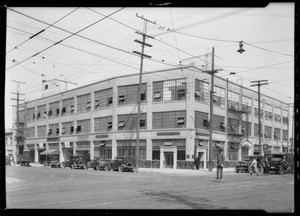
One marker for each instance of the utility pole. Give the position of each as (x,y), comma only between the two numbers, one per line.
(140,83)
(18,105)
(212,73)
(259,83)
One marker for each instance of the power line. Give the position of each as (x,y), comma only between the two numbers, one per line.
(64,38)
(268,50)
(42,30)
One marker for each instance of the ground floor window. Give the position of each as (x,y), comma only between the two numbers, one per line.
(232,154)
(130,151)
(156,154)
(180,154)
(105,153)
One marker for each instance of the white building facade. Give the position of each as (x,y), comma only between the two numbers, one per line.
(99,120)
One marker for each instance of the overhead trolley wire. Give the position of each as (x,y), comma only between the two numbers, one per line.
(42,30)
(72,34)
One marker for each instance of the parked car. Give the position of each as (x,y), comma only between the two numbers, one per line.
(77,162)
(123,163)
(52,161)
(275,161)
(9,160)
(243,166)
(100,164)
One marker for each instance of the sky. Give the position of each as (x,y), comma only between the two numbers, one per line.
(84,45)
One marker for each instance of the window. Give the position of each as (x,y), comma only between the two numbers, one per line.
(83,103)
(78,129)
(180,154)
(121,124)
(68,106)
(128,94)
(233,100)
(170,90)
(157,95)
(121,99)
(57,130)
(72,129)
(142,123)
(201,91)
(103,124)
(103,98)
(63,130)
(46,86)
(155,154)
(50,132)
(173,119)
(219,97)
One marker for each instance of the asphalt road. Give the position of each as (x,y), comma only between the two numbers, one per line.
(55,188)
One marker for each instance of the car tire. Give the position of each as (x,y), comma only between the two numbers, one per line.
(106,168)
(98,167)
(120,168)
(281,171)
(236,170)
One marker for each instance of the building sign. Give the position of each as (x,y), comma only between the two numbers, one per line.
(167,133)
(53,139)
(101,136)
(82,138)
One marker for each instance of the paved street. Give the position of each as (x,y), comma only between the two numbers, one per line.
(51,188)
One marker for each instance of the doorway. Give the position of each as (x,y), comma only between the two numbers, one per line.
(169,157)
(245,151)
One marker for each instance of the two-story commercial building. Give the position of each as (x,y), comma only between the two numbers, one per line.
(99,120)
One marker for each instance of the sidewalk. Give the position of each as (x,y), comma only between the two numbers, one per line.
(171,171)
(186,171)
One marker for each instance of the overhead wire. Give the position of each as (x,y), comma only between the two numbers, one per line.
(65,38)
(43,30)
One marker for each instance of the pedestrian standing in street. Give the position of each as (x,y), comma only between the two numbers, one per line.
(254,166)
(197,161)
(220,165)
(266,165)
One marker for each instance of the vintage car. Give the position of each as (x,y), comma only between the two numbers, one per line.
(23,159)
(100,164)
(9,160)
(123,163)
(52,161)
(76,162)
(243,166)
(275,161)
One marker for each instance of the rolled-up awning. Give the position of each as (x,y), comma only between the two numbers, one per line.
(50,152)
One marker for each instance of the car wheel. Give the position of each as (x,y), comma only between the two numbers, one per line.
(236,170)
(106,168)
(281,171)
(98,167)
(120,168)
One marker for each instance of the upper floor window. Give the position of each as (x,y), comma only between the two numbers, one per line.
(104,98)
(219,96)
(246,104)
(172,119)
(268,112)
(169,90)
(53,109)
(256,108)
(233,100)
(201,91)
(277,114)
(83,126)
(84,103)
(285,117)
(67,106)
(128,94)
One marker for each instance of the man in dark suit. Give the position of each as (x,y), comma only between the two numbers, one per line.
(220,165)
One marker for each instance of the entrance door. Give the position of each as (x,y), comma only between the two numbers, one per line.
(244,151)
(168,159)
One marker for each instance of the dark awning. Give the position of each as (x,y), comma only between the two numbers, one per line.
(50,152)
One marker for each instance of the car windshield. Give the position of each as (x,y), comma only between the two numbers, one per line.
(247,159)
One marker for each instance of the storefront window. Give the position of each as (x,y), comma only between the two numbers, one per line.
(180,154)
(156,155)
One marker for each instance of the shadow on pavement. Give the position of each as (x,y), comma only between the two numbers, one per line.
(169,198)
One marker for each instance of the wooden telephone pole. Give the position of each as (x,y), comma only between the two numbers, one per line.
(140,82)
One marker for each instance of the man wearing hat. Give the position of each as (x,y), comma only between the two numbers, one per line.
(220,164)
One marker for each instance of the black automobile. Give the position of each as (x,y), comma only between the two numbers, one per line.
(100,164)
(77,162)
(243,166)
(275,161)
(123,163)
